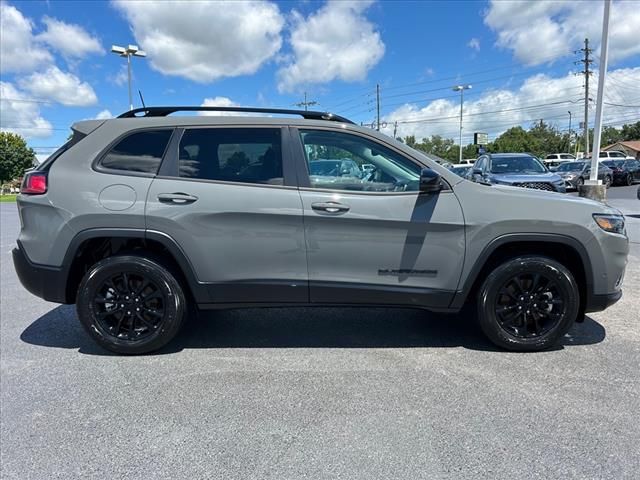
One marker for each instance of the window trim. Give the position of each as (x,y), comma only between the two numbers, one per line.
(302,169)
(97,166)
(170,171)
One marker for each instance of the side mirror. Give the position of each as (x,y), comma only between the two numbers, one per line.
(477,171)
(430,181)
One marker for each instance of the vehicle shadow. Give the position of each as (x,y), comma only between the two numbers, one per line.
(315,327)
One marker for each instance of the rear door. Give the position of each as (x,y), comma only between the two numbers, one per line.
(227,196)
(371,238)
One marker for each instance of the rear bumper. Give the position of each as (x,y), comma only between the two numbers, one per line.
(42,281)
(598,303)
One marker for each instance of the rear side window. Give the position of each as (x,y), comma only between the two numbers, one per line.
(139,152)
(244,155)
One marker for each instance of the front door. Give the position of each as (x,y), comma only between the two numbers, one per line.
(225,196)
(371,237)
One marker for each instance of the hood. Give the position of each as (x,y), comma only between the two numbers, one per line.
(509,178)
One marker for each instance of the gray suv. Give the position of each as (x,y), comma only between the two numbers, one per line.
(140,217)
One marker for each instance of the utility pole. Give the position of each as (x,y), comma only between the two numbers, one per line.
(306,104)
(378,105)
(569,147)
(587,73)
(395,129)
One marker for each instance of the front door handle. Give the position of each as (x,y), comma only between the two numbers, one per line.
(178,198)
(330,207)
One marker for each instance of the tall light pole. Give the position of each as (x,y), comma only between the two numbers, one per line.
(569,148)
(129,51)
(461,89)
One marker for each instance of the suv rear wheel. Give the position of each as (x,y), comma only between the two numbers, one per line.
(528,303)
(130,304)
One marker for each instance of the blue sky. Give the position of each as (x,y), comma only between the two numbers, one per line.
(517,55)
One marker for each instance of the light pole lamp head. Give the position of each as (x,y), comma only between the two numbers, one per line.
(140,53)
(118,50)
(459,88)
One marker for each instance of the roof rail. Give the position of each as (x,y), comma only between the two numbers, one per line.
(164,111)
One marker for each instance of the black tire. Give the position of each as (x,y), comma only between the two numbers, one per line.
(629,180)
(579,182)
(607,181)
(131,304)
(502,310)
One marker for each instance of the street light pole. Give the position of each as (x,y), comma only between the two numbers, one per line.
(461,89)
(129,51)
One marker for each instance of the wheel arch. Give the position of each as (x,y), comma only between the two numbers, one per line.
(91,245)
(566,250)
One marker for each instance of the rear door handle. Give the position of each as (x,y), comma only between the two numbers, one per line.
(330,207)
(178,198)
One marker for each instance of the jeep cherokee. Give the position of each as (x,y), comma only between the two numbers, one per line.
(139,217)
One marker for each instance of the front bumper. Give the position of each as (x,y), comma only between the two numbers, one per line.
(42,281)
(598,303)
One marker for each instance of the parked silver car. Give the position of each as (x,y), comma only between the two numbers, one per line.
(139,217)
(574,174)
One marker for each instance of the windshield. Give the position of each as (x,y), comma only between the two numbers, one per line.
(614,163)
(516,165)
(570,167)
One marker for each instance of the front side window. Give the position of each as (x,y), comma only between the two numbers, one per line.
(244,155)
(341,161)
(138,152)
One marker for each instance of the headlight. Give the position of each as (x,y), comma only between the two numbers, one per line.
(571,176)
(610,223)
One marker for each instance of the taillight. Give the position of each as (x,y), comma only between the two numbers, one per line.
(34,183)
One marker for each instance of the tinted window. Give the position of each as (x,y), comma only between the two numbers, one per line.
(567,156)
(570,167)
(480,163)
(516,165)
(246,155)
(613,163)
(617,155)
(342,161)
(139,152)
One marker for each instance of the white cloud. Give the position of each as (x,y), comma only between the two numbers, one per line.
(103,115)
(539,97)
(69,39)
(474,44)
(337,42)
(19,51)
(121,77)
(58,86)
(205,41)
(21,116)
(538,32)
(220,102)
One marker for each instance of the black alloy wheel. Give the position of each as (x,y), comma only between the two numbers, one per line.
(131,304)
(579,182)
(607,181)
(528,303)
(629,180)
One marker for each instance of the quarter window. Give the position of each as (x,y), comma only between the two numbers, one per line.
(340,161)
(139,152)
(245,155)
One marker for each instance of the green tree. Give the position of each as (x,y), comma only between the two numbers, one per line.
(15,156)
(630,131)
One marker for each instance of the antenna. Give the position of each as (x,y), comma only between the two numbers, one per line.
(141,99)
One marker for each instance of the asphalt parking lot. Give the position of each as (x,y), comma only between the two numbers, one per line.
(318,393)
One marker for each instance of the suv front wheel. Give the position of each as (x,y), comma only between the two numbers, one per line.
(528,303)
(130,304)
